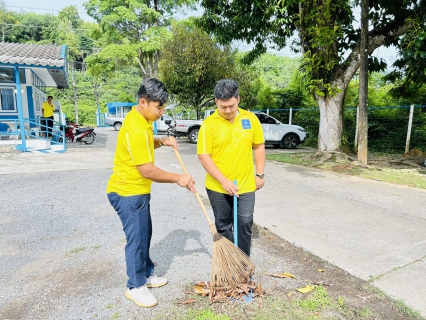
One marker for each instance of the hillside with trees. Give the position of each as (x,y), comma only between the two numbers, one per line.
(110,57)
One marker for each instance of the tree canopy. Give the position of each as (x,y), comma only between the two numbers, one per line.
(327,37)
(191,64)
(132,32)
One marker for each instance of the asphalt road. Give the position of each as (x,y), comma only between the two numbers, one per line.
(374,230)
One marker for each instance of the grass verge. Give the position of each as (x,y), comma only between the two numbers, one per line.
(381,167)
(315,305)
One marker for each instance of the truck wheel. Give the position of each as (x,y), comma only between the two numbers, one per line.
(117,126)
(193,135)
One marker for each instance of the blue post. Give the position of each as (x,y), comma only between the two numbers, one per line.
(235,218)
(98,117)
(155,127)
(20,111)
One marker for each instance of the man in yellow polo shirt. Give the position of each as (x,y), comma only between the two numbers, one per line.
(129,187)
(225,147)
(47,109)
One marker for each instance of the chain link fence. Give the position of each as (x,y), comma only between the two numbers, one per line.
(387,126)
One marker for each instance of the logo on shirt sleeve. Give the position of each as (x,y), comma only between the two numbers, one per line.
(246,123)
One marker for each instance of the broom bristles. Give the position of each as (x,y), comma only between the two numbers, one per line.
(230,265)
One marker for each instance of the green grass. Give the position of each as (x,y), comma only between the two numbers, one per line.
(77,250)
(317,302)
(310,306)
(205,315)
(408,177)
(402,307)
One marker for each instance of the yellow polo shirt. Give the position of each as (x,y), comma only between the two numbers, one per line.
(230,147)
(135,146)
(48,109)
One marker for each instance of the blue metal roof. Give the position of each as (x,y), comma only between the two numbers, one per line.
(112,105)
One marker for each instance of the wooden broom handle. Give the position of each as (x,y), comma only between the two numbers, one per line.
(211,225)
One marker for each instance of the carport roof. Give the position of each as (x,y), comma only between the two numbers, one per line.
(48,62)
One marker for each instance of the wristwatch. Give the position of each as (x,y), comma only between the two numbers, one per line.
(261,176)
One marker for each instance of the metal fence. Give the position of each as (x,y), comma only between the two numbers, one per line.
(389,128)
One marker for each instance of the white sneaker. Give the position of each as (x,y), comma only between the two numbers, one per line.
(155,282)
(142,297)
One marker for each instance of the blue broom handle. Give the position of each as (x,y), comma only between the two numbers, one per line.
(235,219)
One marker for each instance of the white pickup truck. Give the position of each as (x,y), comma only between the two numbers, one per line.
(189,128)
(275,132)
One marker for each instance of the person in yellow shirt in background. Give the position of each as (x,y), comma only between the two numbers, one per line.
(47,109)
(226,141)
(129,187)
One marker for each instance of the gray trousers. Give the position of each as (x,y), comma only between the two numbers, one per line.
(223,205)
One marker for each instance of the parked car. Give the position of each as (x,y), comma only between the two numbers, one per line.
(279,134)
(190,128)
(162,125)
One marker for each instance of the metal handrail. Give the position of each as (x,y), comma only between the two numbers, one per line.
(32,129)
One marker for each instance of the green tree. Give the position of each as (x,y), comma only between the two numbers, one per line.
(328,40)
(71,13)
(191,64)
(275,70)
(7,22)
(132,31)
(409,73)
(35,28)
(118,86)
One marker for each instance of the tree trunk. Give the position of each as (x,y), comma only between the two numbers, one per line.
(363,87)
(331,121)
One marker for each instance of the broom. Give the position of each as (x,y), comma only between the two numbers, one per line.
(230,265)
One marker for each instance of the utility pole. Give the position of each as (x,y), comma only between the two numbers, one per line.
(98,108)
(75,93)
(363,86)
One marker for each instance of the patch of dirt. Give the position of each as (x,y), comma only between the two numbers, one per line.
(357,293)
(343,168)
(414,159)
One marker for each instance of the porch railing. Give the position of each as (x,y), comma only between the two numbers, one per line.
(10,129)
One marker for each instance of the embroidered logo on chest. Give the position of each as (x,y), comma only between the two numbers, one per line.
(246,123)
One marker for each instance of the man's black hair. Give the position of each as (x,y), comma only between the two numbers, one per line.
(49,97)
(225,89)
(153,90)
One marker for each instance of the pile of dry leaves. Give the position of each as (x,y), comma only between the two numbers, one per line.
(227,294)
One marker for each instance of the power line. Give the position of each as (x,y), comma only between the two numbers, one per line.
(34,26)
(41,9)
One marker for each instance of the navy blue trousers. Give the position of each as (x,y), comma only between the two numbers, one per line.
(135,215)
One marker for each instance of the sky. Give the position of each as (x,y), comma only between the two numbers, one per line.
(53,7)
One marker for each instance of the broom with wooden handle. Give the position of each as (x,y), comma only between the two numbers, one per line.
(230,265)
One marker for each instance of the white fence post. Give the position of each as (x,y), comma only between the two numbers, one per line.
(410,123)
(290,117)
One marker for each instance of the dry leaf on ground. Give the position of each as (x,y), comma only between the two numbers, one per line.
(201,290)
(306,289)
(188,301)
(283,275)
(227,294)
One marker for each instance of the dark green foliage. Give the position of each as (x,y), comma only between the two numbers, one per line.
(309,119)
(387,128)
(192,63)
(280,99)
(120,86)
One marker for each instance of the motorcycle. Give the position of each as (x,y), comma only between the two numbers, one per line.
(75,133)
(171,129)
